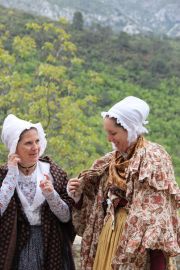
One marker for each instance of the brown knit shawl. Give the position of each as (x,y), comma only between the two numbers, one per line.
(15,228)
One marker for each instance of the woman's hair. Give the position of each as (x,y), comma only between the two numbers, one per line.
(115,122)
(24,131)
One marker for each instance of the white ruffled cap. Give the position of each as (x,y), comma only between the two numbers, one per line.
(12,129)
(131,113)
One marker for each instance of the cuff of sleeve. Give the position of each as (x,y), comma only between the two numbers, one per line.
(78,205)
(76,197)
(49,195)
(13,170)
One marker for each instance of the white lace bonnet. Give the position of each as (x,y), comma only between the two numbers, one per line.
(131,113)
(12,129)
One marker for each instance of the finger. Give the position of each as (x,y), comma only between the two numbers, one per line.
(41,185)
(42,181)
(45,181)
(73,180)
(71,189)
(48,188)
(48,184)
(74,188)
(11,155)
(14,158)
(45,184)
(74,184)
(17,160)
(47,177)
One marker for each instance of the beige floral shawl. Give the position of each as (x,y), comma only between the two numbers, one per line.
(153,198)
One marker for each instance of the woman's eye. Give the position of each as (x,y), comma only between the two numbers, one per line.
(28,143)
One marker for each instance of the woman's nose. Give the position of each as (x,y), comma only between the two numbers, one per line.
(35,146)
(109,138)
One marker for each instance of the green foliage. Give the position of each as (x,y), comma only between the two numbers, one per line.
(78,21)
(24,47)
(53,74)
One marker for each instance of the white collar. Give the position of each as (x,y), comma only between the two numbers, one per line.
(41,169)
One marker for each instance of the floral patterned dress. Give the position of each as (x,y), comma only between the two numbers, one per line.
(152,221)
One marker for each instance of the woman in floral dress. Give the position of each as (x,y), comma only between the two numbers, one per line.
(126,203)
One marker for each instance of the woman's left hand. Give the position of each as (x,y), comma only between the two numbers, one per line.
(46,185)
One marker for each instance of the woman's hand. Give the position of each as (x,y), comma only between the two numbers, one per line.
(13,160)
(74,189)
(74,185)
(46,185)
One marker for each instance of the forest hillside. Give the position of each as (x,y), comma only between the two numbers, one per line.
(64,75)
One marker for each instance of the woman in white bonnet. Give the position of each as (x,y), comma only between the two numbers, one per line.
(126,203)
(35,210)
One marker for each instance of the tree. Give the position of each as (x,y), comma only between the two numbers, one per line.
(78,21)
(46,93)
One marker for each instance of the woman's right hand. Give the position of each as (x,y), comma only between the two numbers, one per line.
(13,160)
(74,185)
(74,189)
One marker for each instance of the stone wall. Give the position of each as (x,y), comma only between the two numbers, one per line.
(178,263)
(76,251)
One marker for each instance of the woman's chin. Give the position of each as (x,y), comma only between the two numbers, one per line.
(34,160)
(114,147)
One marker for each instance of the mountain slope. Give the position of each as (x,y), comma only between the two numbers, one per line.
(132,16)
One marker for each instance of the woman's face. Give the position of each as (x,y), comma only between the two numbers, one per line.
(28,147)
(116,134)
